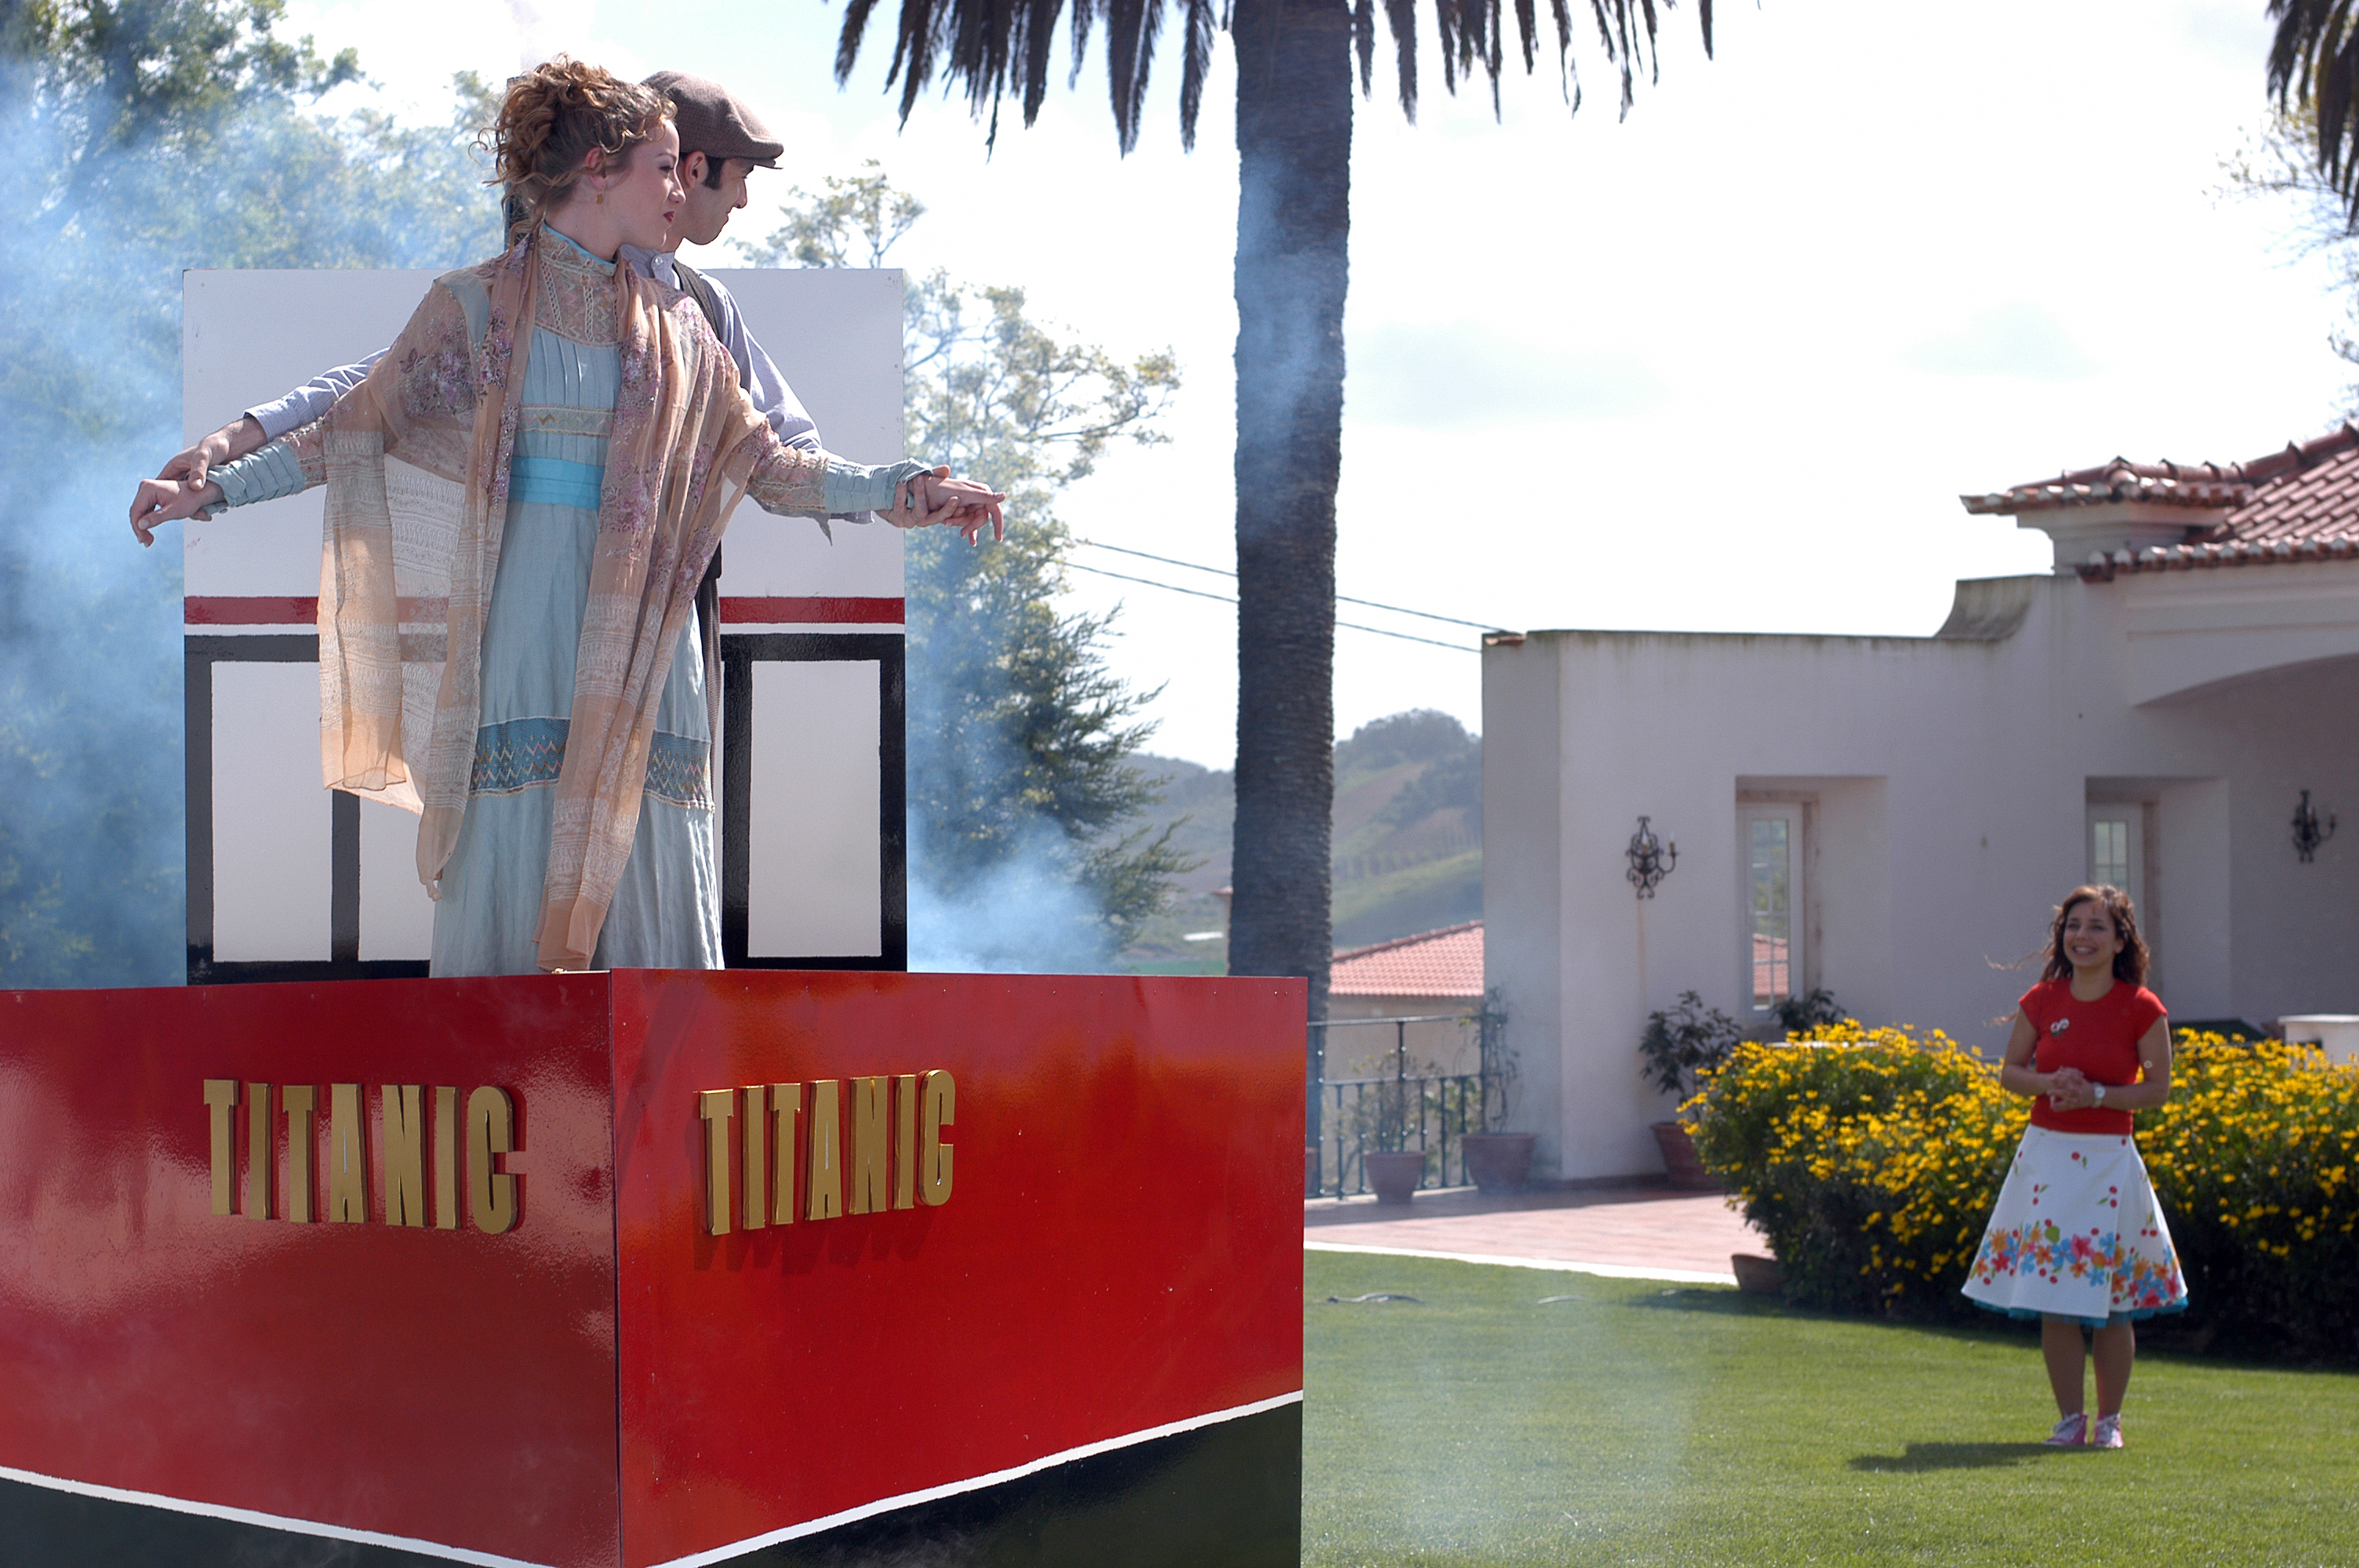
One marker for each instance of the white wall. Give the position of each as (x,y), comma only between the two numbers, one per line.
(1948,780)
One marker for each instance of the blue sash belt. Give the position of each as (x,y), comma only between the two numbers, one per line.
(554,481)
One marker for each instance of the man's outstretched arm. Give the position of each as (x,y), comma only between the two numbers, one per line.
(259,426)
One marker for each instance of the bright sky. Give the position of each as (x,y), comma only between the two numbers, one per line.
(1725,365)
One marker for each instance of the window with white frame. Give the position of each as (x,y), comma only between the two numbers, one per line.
(1769,841)
(2117,843)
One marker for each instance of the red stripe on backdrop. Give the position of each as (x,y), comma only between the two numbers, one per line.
(226,610)
(230,610)
(745,610)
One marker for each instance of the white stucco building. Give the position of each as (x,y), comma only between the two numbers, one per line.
(1894,816)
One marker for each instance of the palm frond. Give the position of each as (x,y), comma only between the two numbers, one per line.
(1195,62)
(994,49)
(2314,61)
(1401,16)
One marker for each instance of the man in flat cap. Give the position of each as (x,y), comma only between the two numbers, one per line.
(720,141)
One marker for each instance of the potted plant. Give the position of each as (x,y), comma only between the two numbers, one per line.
(1801,1016)
(1395,1173)
(1393,1169)
(1496,1161)
(1681,1043)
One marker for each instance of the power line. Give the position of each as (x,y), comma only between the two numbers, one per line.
(1226,598)
(1341,597)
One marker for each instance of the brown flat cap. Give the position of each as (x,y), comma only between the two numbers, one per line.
(714,122)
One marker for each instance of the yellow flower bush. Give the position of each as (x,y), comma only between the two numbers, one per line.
(2257,1161)
(1872,1157)
(1869,1156)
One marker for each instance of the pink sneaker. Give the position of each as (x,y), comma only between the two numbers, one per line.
(2073,1431)
(2108,1433)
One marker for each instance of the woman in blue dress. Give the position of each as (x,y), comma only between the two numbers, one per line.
(522,500)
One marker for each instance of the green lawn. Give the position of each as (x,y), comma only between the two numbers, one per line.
(1642,1422)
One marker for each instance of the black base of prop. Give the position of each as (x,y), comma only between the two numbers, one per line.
(1230,1494)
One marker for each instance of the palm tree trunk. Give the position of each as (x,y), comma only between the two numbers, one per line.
(1294,153)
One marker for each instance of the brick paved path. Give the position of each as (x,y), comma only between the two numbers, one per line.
(1646,1232)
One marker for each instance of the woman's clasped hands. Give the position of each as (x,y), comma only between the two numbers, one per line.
(2069,1091)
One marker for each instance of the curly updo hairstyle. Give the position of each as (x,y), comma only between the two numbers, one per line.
(2129,964)
(553,114)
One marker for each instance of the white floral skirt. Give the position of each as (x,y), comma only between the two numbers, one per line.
(2077,1233)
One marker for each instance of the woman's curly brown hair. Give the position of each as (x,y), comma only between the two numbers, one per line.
(2129,964)
(553,114)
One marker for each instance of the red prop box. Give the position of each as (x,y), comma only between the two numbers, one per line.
(653,1268)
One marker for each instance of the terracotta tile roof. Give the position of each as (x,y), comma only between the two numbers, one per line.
(2299,503)
(2206,485)
(1445,963)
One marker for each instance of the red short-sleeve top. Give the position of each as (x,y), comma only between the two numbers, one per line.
(2098,1037)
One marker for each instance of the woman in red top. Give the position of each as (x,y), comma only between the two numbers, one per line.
(2076,1238)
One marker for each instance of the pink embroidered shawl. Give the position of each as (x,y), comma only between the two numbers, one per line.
(416,463)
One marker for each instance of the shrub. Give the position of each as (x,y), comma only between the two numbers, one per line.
(2257,1161)
(1872,1162)
(1870,1158)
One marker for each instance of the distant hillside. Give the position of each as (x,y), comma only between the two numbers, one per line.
(1408,840)
(1409,827)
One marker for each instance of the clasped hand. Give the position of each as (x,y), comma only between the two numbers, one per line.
(168,498)
(937,498)
(2069,1091)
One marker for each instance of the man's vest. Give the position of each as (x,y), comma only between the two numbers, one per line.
(708,592)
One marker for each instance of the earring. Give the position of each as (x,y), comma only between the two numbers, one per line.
(602,199)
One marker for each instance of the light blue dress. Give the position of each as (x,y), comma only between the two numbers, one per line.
(667,909)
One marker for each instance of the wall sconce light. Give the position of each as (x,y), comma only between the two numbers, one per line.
(2307,834)
(1651,860)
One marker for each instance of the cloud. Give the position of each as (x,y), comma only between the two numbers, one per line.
(1460,374)
(2019,339)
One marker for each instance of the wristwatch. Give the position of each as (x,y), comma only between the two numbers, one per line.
(2097,1095)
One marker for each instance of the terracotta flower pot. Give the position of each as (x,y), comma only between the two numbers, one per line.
(1679,1158)
(1499,1162)
(1394,1175)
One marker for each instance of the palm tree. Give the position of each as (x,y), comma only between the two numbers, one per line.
(1295,60)
(2314,62)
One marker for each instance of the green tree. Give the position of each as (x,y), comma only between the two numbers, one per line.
(145,136)
(1020,736)
(1295,62)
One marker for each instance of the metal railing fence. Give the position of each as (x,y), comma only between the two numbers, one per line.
(1425,1111)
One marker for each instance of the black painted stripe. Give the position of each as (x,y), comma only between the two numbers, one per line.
(740,652)
(1223,1495)
(1228,1494)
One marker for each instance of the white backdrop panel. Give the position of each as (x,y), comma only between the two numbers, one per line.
(272,876)
(397,917)
(813,844)
(836,335)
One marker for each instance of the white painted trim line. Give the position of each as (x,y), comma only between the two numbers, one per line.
(1556,1265)
(977,1483)
(271,1522)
